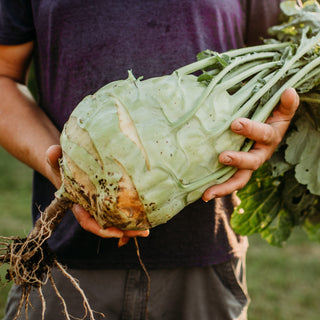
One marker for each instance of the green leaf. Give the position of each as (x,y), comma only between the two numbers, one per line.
(311,103)
(289,8)
(280,230)
(260,203)
(223,59)
(277,162)
(205,77)
(204,54)
(304,151)
(299,20)
(274,205)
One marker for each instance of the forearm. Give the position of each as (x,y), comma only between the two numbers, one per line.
(25,130)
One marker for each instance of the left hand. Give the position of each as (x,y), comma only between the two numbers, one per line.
(84,218)
(266,135)
(88,223)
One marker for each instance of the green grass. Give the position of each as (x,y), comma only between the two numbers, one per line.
(15,204)
(283,282)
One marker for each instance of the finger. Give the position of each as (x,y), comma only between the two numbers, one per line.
(251,160)
(256,131)
(128,234)
(279,120)
(236,182)
(136,233)
(85,220)
(285,110)
(282,115)
(88,223)
(289,102)
(53,154)
(123,241)
(111,232)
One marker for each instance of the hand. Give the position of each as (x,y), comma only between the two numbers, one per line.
(88,223)
(84,218)
(267,136)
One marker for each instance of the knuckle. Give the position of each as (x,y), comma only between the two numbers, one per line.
(256,164)
(82,222)
(277,140)
(258,157)
(80,218)
(241,178)
(241,184)
(246,177)
(267,136)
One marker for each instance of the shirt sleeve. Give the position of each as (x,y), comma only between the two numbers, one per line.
(16,22)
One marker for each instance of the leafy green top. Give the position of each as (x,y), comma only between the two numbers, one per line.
(285,192)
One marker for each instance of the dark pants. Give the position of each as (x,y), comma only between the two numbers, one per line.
(215,293)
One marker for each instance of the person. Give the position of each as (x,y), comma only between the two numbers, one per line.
(195,261)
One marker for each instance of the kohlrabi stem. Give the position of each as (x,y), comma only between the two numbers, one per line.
(310,99)
(225,172)
(205,63)
(219,176)
(308,76)
(274,47)
(265,111)
(238,78)
(235,63)
(248,106)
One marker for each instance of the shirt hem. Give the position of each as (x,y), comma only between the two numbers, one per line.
(152,264)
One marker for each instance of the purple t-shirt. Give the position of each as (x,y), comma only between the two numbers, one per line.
(82,45)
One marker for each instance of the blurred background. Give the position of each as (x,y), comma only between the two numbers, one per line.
(283,283)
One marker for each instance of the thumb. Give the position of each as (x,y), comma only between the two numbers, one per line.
(53,154)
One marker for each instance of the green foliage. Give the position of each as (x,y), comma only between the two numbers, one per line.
(290,183)
(15,205)
(283,283)
(260,200)
(274,205)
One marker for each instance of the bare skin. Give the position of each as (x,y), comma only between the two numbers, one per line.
(29,135)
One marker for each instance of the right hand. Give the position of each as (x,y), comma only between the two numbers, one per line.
(267,136)
(86,221)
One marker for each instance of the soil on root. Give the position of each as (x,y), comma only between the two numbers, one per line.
(34,262)
(30,260)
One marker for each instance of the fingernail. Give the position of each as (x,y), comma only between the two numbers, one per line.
(105,233)
(227,160)
(144,233)
(207,199)
(237,126)
(123,241)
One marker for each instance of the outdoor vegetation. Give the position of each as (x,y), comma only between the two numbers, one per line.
(283,282)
